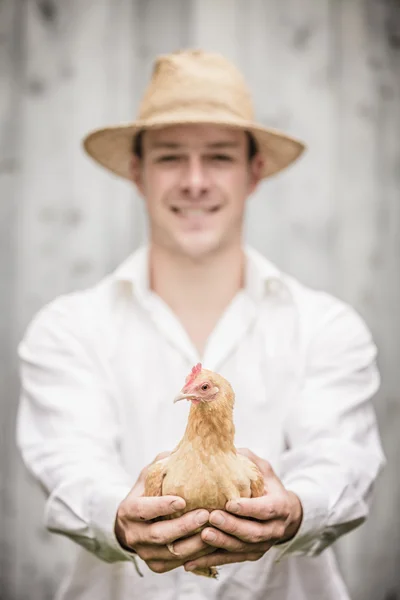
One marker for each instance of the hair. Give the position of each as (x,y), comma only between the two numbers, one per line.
(137,145)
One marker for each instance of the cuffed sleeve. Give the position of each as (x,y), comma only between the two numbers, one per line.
(103,510)
(334,453)
(68,429)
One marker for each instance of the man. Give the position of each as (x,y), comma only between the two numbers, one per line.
(100,369)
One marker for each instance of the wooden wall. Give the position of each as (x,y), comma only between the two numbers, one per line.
(327,71)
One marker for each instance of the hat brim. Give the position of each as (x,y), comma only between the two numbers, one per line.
(112,146)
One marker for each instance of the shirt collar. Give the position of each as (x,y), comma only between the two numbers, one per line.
(262,277)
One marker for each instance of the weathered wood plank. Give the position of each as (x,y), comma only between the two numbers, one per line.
(262,50)
(368,254)
(287,57)
(45,223)
(11,69)
(215,27)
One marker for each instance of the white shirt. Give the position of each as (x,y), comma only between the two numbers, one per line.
(100,369)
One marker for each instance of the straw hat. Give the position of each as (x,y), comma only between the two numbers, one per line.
(192,86)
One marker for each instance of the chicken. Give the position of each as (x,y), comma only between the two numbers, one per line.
(205,468)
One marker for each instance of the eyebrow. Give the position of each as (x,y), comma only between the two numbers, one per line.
(170,145)
(223,145)
(176,145)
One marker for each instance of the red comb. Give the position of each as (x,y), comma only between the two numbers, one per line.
(193,374)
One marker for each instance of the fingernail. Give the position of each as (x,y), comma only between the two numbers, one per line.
(217,519)
(171,548)
(210,536)
(178,504)
(202,517)
(190,567)
(233,507)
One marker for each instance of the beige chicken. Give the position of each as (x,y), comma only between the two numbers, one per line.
(205,469)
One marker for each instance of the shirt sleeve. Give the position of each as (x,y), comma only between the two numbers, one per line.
(334,452)
(67,430)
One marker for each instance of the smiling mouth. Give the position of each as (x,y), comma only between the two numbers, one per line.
(194,212)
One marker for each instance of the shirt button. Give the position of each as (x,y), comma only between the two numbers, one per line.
(273,286)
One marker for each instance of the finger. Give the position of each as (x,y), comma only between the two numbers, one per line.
(161,456)
(163,566)
(222,540)
(272,506)
(247,452)
(222,558)
(165,532)
(145,470)
(171,549)
(149,552)
(252,532)
(264,466)
(138,488)
(188,547)
(145,508)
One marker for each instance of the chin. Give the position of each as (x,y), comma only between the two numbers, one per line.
(199,248)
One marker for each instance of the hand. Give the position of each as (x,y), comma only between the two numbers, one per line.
(278,516)
(135,531)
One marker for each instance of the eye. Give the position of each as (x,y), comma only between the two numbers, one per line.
(222,157)
(205,387)
(168,158)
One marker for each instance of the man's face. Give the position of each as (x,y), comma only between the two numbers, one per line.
(195,180)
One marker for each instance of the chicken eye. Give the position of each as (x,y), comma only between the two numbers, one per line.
(205,386)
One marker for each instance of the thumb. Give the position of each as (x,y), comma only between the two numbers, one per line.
(160,456)
(264,466)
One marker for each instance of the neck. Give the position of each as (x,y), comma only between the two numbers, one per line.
(207,284)
(210,427)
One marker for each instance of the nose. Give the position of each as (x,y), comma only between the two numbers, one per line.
(194,179)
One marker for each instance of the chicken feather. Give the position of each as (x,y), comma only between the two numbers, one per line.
(205,468)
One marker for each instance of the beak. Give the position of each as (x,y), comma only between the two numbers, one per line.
(184,397)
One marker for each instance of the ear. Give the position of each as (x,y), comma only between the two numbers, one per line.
(135,171)
(256,169)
